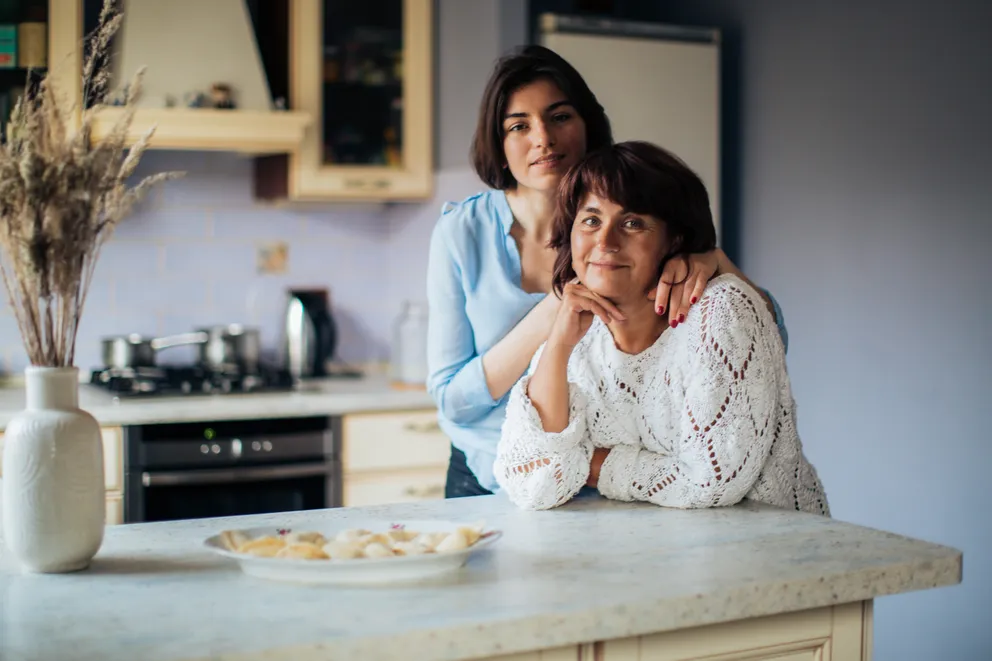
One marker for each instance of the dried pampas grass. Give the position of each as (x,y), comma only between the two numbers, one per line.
(61,196)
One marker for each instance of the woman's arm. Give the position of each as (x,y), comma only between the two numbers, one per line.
(507,360)
(730,405)
(541,469)
(683,280)
(456,379)
(542,459)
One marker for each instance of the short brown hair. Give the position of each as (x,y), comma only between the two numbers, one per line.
(524,66)
(641,178)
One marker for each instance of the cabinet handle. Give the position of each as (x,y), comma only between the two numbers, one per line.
(364,183)
(422,427)
(431,491)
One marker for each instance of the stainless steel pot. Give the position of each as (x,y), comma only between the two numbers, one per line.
(230,347)
(134,350)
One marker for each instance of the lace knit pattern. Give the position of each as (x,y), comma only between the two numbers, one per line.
(702,418)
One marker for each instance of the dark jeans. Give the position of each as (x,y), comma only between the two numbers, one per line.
(461,482)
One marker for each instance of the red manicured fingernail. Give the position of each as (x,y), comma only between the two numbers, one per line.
(681,318)
(661,309)
(692,300)
(674,323)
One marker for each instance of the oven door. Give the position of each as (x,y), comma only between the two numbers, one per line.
(202,493)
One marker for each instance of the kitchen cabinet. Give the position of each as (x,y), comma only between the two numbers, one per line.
(836,632)
(23,54)
(393,457)
(249,131)
(113,471)
(363,70)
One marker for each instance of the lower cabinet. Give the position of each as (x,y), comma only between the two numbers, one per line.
(113,471)
(834,633)
(115,508)
(392,457)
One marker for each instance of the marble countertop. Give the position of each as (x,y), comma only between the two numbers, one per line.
(592,570)
(334,396)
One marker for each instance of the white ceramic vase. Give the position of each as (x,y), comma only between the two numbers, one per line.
(53,483)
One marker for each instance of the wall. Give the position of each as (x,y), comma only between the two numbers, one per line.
(864,136)
(187,257)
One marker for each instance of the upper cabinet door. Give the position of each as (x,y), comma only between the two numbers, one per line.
(364,71)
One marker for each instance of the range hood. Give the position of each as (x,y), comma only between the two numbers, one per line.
(187,46)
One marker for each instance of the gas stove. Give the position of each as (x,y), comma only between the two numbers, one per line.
(184,380)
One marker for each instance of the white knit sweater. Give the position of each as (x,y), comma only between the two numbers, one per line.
(704,417)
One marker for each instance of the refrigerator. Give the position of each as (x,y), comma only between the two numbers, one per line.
(657,82)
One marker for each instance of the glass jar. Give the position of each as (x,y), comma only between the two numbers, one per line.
(409,351)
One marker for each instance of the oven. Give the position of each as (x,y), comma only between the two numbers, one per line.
(193,470)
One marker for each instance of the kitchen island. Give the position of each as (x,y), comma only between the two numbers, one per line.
(595,579)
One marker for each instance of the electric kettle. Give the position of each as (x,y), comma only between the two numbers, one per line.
(309,333)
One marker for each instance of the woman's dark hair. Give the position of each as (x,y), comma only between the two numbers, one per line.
(641,178)
(524,66)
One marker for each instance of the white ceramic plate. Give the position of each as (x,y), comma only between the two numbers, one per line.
(396,569)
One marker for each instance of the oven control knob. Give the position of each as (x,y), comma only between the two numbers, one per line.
(215,448)
(256,446)
(267,446)
(205,449)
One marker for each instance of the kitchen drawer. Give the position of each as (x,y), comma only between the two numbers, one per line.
(115,508)
(113,458)
(395,486)
(382,441)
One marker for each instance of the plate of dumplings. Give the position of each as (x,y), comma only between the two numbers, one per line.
(371,553)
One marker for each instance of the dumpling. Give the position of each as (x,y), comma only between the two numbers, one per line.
(430,540)
(302,551)
(378,538)
(351,535)
(471,533)
(455,541)
(410,548)
(339,550)
(314,538)
(233,539)
(264,547)
(377,550)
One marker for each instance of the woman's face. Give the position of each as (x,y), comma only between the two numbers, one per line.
(543,135)
(616,253)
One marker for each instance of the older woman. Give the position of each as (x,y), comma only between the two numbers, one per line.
(699,415)
(490,267)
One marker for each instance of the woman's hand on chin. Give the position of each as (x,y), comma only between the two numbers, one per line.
(576,311)
(682,283)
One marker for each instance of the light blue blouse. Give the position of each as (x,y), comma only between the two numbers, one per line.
(474,296)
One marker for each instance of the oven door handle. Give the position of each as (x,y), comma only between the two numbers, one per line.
(230,475)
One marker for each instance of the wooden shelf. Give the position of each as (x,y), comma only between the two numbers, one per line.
(208,129)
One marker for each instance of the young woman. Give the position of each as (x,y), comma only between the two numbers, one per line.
(697,415)
(490,266)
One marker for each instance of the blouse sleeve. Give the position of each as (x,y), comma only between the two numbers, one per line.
(456,380)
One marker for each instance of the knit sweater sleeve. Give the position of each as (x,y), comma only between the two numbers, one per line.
(540,470)
(723,435)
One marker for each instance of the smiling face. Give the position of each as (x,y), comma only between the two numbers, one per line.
(543,135)
(616,253)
